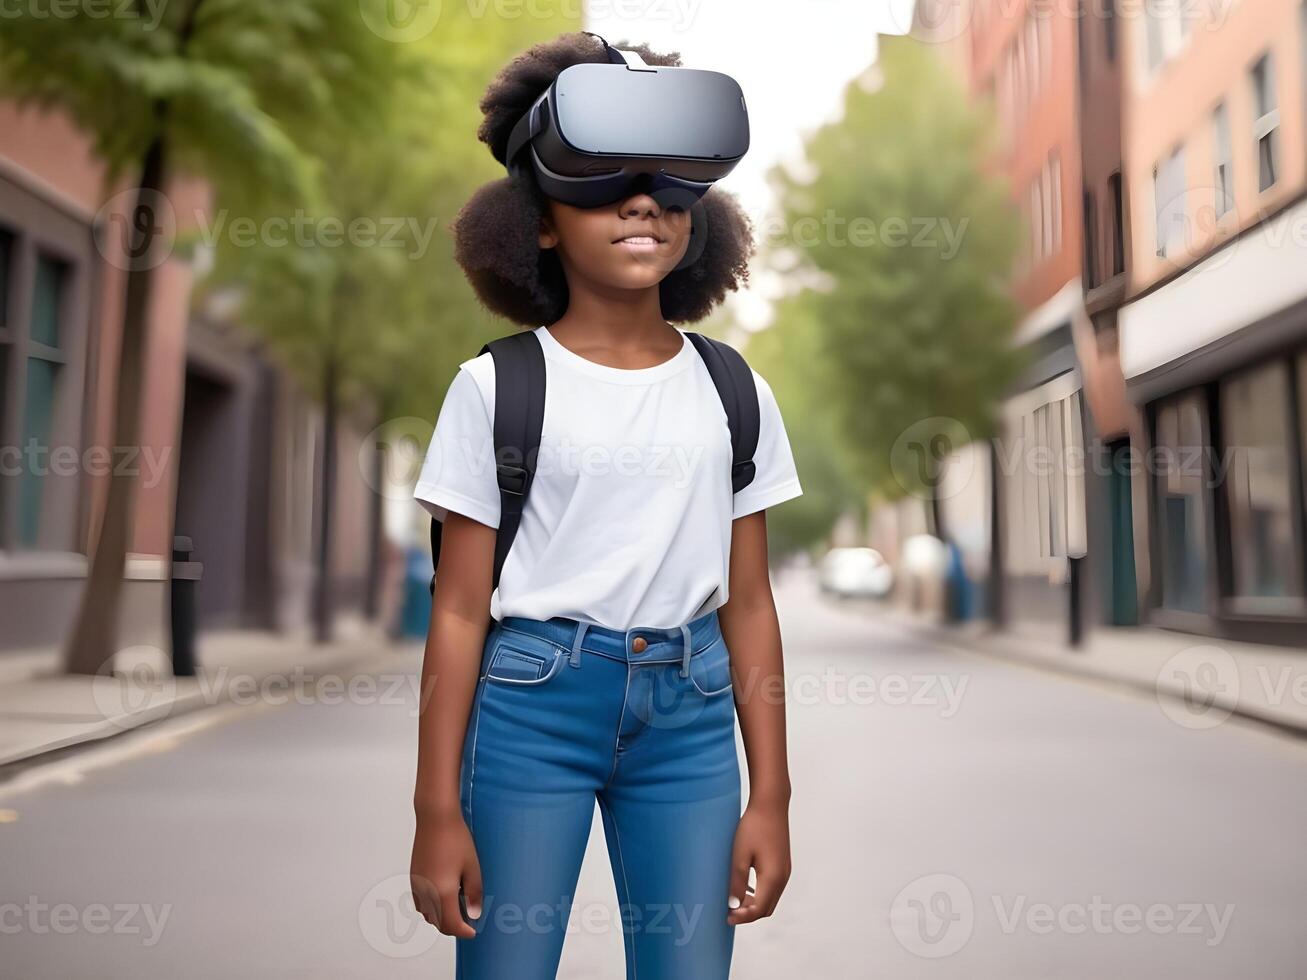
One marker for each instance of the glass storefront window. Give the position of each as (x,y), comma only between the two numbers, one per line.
(1258,485)
(1181,481)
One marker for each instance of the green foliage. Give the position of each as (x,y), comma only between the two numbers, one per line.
(788,355)
(233,87)
(909,242)
(391,309)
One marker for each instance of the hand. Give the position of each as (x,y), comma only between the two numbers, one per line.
(445,859)
(762,842)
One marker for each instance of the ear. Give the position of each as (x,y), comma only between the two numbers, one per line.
(548,237)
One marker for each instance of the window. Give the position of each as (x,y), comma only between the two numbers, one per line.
(1154,25)
(1168,25)
(1266,121)
(1091,240)
(1117,198)
(39,400)
(1168,203)
(1224,164)
(1181,506)
(1258,489)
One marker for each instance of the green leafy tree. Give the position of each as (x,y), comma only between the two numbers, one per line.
(375,322)
(788,354)
(228,90)
(908,241)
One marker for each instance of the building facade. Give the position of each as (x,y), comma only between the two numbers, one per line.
(1214,327)
(230,446)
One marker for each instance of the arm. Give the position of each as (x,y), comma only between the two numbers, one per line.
(444,857)
(753,637)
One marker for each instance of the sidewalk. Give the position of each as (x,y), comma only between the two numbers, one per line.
(1199,681)
(43,711)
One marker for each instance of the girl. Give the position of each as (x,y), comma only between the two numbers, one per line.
(633,619)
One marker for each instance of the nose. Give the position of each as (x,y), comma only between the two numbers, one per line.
(640,205)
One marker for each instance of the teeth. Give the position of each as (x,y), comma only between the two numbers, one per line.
(640,240)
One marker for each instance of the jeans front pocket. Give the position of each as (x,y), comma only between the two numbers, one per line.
(710,669)
(520,659)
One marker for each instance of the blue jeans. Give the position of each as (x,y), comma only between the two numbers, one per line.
(643,721)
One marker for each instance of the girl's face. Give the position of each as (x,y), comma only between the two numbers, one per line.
(632,244)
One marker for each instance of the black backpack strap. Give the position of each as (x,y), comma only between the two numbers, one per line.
(733,378)
(519,418)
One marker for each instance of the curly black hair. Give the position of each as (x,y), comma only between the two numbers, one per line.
(496,232)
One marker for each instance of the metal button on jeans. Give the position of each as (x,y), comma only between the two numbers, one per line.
(639,644)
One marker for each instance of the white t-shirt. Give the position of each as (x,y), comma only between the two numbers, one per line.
(628,523)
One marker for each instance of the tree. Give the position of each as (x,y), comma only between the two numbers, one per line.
(788,355)
(224,89)
(909,241)
(376,324)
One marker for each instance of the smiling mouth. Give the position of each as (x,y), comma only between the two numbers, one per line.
(639,240)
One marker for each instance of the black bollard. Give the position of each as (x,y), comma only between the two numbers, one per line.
(185,577)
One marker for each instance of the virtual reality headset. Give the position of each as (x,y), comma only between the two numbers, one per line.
(601,132)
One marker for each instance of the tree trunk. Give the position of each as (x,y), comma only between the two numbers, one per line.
(322,612)
(93,641)
(376,532)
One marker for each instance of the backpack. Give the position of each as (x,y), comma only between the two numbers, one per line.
(520,411)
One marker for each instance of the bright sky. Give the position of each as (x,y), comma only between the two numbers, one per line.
(793,60)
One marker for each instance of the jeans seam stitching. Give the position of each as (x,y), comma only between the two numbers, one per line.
(472,775)
(626,884)
(617,737)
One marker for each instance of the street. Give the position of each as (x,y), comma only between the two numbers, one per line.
(953,816)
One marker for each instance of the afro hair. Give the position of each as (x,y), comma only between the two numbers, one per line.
(496,234)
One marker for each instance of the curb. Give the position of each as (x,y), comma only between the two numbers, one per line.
(983,644)
(184,703)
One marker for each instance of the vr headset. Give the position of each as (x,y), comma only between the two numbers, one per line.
(603,131)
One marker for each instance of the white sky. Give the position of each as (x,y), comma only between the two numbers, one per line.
(793,61)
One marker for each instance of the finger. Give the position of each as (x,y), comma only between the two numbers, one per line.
(748,900)
(424,899)
(472,891)
(737,891)
(770,886)
(452,922)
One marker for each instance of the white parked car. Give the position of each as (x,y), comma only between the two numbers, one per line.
(855,573)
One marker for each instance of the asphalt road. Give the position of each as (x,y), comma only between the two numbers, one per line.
(953,817)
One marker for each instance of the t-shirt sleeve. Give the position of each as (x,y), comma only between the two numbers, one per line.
(775,478)
(458,472)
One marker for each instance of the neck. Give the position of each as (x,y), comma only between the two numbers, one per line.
(617,319)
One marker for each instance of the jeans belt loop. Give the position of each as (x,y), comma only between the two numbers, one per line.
(685,657)
(575,659)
